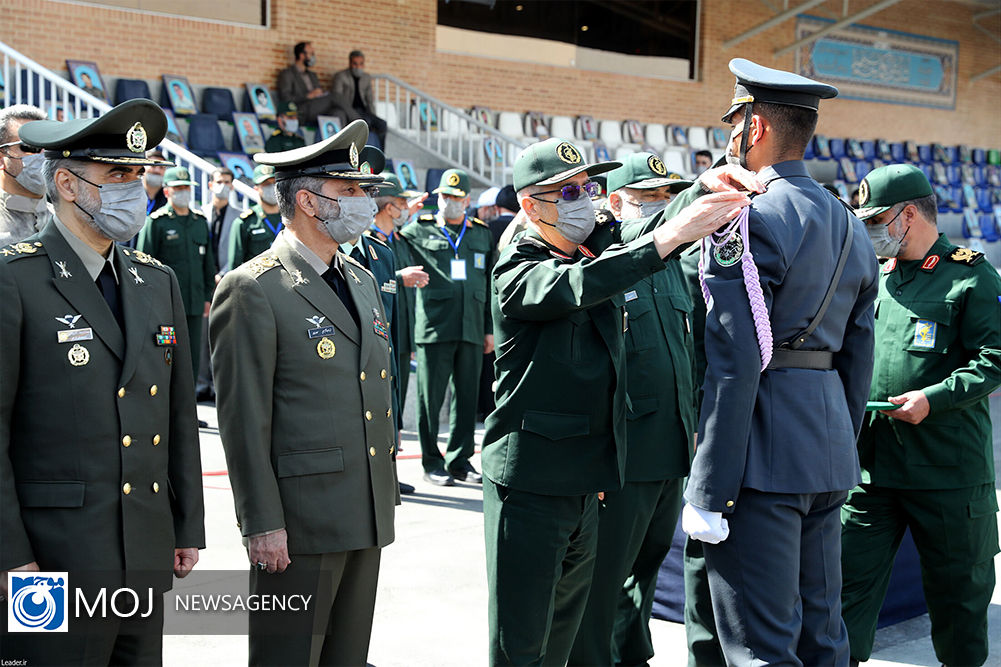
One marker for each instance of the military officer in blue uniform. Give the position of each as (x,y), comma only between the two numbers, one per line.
(99,459)
(776,451)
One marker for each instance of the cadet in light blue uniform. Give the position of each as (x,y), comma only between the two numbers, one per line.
(777,447)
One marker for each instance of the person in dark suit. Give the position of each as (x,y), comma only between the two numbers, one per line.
(778,467)
(298,83)
(99,444)
(301,354)
(355,85)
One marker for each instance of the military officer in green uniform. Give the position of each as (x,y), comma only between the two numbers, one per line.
(636,524)
(178,236)
(452,326)
(301,356)
(286,135)
(927,464)
(257,227)
(98,444)
(557,436)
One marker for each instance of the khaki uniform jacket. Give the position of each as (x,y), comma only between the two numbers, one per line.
(305,404)
(99,458)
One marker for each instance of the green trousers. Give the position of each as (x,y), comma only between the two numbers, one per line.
(700,624)
(956,534)
(635,527)
(403,373)
(440,365)
(195,340)
(540,558)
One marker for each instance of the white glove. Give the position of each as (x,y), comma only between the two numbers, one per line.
(703,525)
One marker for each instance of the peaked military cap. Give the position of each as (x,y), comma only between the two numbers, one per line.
(119,136)
(889,185)
(334,157)
(393,188)
(263,172)
(177,176)
(756,83)
(453,182)
(644,171)
(552,161)
(288,108)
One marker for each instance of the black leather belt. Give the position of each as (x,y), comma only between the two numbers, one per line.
(818,360)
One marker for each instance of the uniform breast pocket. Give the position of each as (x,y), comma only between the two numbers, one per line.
(931,327)
(434,245)
(682,304)
(641,331)
(569,342)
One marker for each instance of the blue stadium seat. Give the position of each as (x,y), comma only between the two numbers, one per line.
(984,202)
(954,174)
(925,153)
(837,148)
(862,168)
(808,153)
(979,156)
(957,198)
(989,228)
(926,168)
(131,89)
(433,179)
(979,175)
(204,136)
(952,154)
(219,101)
(897,151)
(821,147)
(869,150)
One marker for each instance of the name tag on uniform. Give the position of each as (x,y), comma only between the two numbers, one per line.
(172,235)
(259,231)
(201,250)
(631,296)
(320,331)
(458,269)
(924,333)
(70,335)
(389,287)
(479,260)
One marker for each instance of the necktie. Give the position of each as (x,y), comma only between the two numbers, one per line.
(109,290)
(334,278)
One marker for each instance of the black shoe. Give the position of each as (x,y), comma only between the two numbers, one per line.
(467,473)
(439,478)
(205,396)
(406,489)
(202,423)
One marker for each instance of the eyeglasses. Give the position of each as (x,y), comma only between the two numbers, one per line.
(25,148)
(572,192)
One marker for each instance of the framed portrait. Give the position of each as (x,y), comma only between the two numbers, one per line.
(493,150)
(328,126)
(248,133)
(601,153)
(883,150)
(86,75)
(3,83)
(179,95)
(720,137)
(588,128)
(968,174)
(911,147)
(848,170)
(634,132)
(483,114)
(965,154)
(261,101)
(679,136)
(938,169)
(855,149)
(537,125)
(408,177)
(822,146)
(241,166)
(62,113)
(173,132)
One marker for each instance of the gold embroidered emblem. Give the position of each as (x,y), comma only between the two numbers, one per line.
(353,156)
(452,180)
(656,165)
(863,193)
(325,348)
(24,248)
(568,153)
(135,139)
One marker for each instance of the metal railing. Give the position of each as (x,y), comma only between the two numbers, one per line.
(445,131)
(27,82)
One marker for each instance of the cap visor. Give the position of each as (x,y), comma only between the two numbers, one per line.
(131,161)
(866,213)
(651,183)
(589,169)
(174,184)
(732,110)
(456,192)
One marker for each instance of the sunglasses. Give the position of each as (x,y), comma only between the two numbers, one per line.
(25,148)
(572,192)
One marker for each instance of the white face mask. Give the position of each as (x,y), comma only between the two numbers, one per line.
(883,242)
(153,180)
(268,195)
(221,190)
(451,209)
(402,216)
(575,220)
(291,125)
(31,178)
(641,209)
(118,210)
(345,218)
(181,199)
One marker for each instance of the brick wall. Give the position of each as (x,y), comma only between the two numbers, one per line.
(398,36)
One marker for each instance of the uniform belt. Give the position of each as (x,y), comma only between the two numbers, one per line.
(818,360)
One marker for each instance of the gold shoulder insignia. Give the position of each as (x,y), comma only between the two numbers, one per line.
(22,249)
(374,238)
(140,256)
(965,256)
(478,221)
(246,214)
(426,217)
(261,264)
(276,132)
(159,213)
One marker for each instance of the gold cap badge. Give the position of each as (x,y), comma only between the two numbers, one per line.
(452,180)
(863,193)
(135,139)
(568,153)
(656,165)
(353,156)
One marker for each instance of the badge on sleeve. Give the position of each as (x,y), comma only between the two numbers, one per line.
(479,260)
(924,334)
(631,296)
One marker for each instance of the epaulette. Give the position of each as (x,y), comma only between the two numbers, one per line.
(143,258)
(603,217)
(261,263)
(427,217)
(21,249)
(965,256)
(530,242)
(477,221)
(276,132)
(375,239)
(246,214)
(197,212)
(159,213)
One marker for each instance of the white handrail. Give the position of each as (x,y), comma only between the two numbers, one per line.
(85,105)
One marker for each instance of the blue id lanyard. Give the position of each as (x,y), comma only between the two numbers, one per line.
(274,230)
(455,244)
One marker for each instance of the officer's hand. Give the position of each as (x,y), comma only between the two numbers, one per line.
(913,407)
(700,218)
(415,204)
(488,344)
(730,177)
(30,567)
(703,525)
(414,276)
(270,549)
(208,304)
(184,561)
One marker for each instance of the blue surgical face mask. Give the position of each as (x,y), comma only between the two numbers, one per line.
(882,241)
(118,210)
(575,219)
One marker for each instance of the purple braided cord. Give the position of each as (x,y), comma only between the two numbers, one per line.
(752,281)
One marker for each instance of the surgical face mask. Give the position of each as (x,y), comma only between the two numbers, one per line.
(268,195)
(345,218)
(221,190)
(575,220)
(153,180)
(180,199)
(642,209)
(117,210)
(882,241)
(311,61)
(451,209)
(31,178)
(402,215)
(291,125)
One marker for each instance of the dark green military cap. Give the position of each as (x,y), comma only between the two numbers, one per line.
(288,108)
(756,83)
(333,157)
(453,182)
(644,171)
(552,161)
(393,188)
(889,185)
(263,172)
(119,136)
(177,176)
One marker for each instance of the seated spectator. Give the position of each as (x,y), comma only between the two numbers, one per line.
(22,204)
(703,160)
(286,137)
(298,83)
(355,85)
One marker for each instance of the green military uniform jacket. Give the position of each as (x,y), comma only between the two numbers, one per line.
(662,412)
(450,310)
(182,243)
(252,233)
(100,466)
(938,330)
(559,427)
(280,141)
(406,297)
(305,404)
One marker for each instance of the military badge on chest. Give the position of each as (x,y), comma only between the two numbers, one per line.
(167,339)
(380,327)
(78,355)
